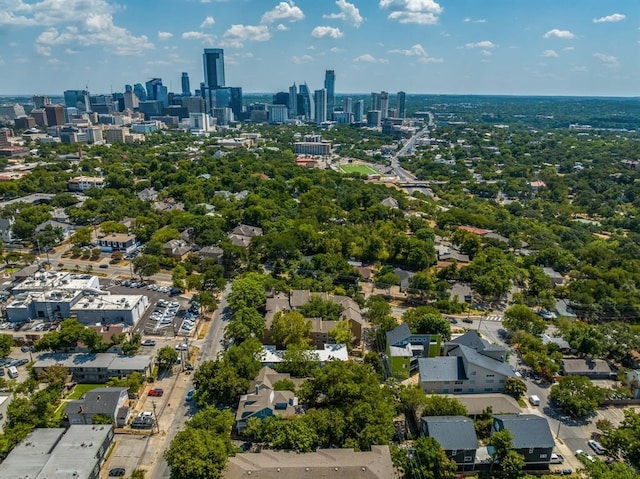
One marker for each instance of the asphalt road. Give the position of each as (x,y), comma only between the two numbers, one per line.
(210,347)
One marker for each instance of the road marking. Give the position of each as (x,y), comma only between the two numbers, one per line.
(493,317)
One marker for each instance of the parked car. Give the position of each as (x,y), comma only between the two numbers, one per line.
(581,453)
(142,423)
(103,266)
(117,472)
(566,472)
(145,414)
(21,362)
(181,347)
(596,446)
(24,349)
(156,392)
(467,320)
(148,342)
(190,394)
(556,459)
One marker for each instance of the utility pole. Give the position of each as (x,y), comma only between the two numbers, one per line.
(155,415)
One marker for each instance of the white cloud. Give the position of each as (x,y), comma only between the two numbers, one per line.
(43,50)
(207,22)
(368,58)
(483,44)
(568,49)
(164,35)
(326,32)
(205,38)
(54,61)
(556,33)
(162,63)
(283,11)
(281,27)
(616,17)
(607,60)
(486,53)
(70,51)
(302,59)
(86,22)
(336,50)
(237,34)
(418,51)
(422,12)
(348,13)
(550,54)
(474,20)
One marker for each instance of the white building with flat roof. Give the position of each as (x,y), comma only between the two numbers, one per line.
(110,309)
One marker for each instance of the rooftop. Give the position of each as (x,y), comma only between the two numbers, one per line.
(452,432)
(108,302)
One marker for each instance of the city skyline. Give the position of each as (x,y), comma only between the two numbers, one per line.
(418,46)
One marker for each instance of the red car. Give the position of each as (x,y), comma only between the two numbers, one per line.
(156,392)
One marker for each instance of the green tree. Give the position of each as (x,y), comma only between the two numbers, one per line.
(82,237)
(520,317)
(284,385)
(146,265)
(436,405)
(109,227)
(290,328)
(502,443)
(624,440)
(247,291)
(6,343)
(577,395)
(55,375)
(101,419)
(512,464)
(290,434)
(317,307)
(427,320)
(515,387)
(166,357)
(137,474)
(431,462)
(196,454)
(341,333)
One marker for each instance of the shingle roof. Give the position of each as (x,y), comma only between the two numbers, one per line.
(452,432)
(442,368)
(473,357)
(398,334)
(98,401)
(528,430)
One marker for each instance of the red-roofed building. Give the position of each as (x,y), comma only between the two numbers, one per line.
(474,230)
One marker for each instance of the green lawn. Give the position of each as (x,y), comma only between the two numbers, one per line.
(81,389)
(360,168)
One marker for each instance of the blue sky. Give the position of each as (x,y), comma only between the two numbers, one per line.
(545,47)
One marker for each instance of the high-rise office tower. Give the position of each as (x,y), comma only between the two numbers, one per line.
(384,104)
(281,98)
(320,97)
(358,111)
(77,99)
(308,109)
(330,86)
(236,102)
(213,59)
(293,101)
(55,115)
(401,99)
(186,86)
(40,101)
(140,92)
(130,100)
(375,101)
(128,88)
(347,105)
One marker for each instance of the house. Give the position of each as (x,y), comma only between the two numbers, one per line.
(60,215)
(176,248)
(82,183)
(531,437)
(404,349)
(77,452)
(390,202)
(212,252)
(448,254)
(591,368)
(96,367)
(470,365)
(242,235)
(405,277)
(263,401)
(562,344)
(66,229)
(148,194)
(270,356)
(118,242)
(321,464)
(456,435)
(556,278)
(109,402)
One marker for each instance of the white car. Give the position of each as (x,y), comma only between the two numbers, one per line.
(145,414)
(580,452)
(181,347)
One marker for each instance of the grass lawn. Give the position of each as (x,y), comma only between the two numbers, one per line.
(81,389)
(358,168)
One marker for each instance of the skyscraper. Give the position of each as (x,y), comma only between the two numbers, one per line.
(293,101)
(347,105)
(320,97)
(384,104)
(358,111)
(157,91)
(140,92)
(55,114)
(330,87)
(77,99)
(40,101)
(186,87)
(401,99)
(236,102)
(213,59)
(375,101)
(308,109)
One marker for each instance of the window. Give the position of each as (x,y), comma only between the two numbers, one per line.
(488,390)
(489,381)
(543,456)
(446,382)
(445,391)
(458,382)
(490,375)
(468,458)
(454,452)
(501,381)
(530,450)
(457,390)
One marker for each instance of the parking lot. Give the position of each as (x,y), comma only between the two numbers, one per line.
(168,315)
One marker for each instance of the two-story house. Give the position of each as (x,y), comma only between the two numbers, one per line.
(108,402)
(456,435)
(531,437)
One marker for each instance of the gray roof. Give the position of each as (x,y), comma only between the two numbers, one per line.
(398,334)
(473,357)
(528,430)
(442,368)
(562,344)
(94,360)
(477,403)
(98,401)
(452,432)
(471,340)
(586,366)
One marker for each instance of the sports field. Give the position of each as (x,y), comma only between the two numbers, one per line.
(360,168)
